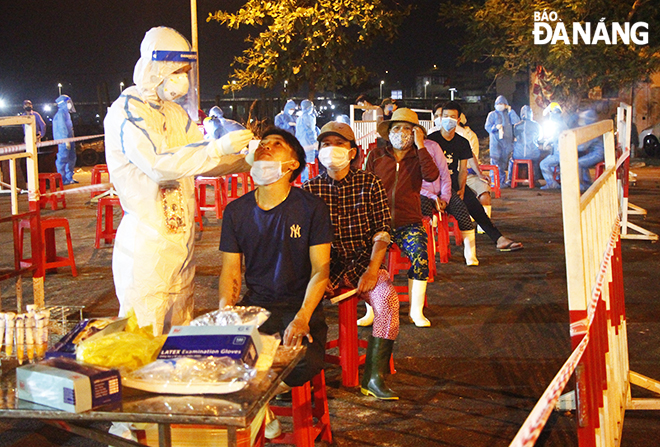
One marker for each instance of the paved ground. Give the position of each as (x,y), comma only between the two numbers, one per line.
(499,331)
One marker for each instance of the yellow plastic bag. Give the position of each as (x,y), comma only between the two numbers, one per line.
(127,351)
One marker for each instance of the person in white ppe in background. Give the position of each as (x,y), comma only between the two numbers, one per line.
(286,118)
(62,129)
(499,125)
(306,133)
(217,126)
(153,152)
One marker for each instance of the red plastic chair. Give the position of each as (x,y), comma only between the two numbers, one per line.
(97,175)
(50,182)
(348,342)
(515,173)
(51,260)
(106,232)
(494,173)
(219,194)
(303,410)
(442,237)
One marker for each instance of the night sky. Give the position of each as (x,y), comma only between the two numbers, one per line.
(83,44)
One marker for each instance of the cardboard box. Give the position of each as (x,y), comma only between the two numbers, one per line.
(238,342)
(64,384)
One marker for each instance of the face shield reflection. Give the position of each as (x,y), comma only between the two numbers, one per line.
(190,100)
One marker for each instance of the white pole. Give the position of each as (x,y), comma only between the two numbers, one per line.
(195,45)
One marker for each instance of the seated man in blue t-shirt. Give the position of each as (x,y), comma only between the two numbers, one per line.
(284,233)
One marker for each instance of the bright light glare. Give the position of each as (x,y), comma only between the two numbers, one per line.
(2,103)
(549,129)
(47,108)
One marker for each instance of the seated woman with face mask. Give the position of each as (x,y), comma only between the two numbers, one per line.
(361,219)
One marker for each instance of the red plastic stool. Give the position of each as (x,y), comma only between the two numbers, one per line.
(348,342)
(313,169)
(219,192)
(54,184)
(108,232)
(452,223)
(51,260)
(231,190)
(430,248)
(308,401)
(516,179)
(198,211)
(556,174)
(395,263)
(494,174)
(600,168)
(97,174)
(442,237)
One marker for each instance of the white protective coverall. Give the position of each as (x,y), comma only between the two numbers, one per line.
(153,152)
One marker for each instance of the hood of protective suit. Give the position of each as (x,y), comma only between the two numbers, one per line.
(587,117)
(526,113)
(501,100)
(216,112)
(63,103)
(290,106)
(148,74)
(307,106)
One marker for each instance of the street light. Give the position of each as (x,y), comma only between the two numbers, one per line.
(59,86)
(452,91)
(425,85)
(232,90)
(381,89)
(285,84)
(121,86)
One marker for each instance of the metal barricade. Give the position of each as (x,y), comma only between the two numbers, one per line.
(28,151)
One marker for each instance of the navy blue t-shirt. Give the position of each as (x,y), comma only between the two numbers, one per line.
(275,244)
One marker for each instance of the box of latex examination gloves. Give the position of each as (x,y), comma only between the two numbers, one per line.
(67,385)
(238,342)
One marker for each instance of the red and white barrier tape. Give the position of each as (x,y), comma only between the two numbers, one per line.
(533,425)
(622,158)
(80,190)
(368,137)
(4,150)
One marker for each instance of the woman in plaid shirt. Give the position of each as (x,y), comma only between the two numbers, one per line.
(361,219)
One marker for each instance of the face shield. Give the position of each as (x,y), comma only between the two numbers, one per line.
(189,101)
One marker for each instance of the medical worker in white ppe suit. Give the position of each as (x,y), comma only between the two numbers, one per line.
(153,151)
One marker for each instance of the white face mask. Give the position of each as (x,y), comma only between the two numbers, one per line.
(173,87)
(500,107)
(266,172)
(437,121)
(334,158)
(401,140)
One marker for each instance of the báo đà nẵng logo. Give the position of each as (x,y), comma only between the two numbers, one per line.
(550,29)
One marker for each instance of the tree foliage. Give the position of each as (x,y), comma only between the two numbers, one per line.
(500,31)
(304,41)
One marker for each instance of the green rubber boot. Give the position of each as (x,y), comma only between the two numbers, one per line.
(376,366)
